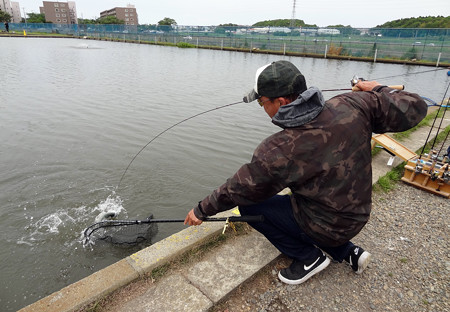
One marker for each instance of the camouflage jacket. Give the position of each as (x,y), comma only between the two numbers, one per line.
(323,154)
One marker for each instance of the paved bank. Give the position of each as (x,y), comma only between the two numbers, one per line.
(204,284)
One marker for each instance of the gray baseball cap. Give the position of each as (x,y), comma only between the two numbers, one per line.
(276,79)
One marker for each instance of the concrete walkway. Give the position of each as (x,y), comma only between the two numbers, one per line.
(202,285)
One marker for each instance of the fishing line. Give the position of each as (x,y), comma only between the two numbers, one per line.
(407,74)
(381,78)
(167,129)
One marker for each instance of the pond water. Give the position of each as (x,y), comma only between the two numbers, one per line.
(74,113)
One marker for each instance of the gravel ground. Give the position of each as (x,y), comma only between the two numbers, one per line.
(407,236)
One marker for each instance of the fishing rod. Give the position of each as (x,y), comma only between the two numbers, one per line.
(397,87)
(201,113)
(353,88)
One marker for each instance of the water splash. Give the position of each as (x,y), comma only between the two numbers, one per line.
(65,223)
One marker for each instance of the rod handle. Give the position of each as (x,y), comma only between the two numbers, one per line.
(246,218)
(397,87)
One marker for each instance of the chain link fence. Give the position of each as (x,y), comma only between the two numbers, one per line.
(410,44)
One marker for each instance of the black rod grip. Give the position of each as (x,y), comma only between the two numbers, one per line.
(258,218)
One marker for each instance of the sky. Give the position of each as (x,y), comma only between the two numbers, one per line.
(323,13)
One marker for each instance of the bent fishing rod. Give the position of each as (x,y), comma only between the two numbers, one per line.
(353,82)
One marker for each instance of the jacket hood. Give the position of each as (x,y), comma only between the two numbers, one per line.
(301,111)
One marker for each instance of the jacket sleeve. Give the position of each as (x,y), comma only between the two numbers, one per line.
(253,182)
(393,110)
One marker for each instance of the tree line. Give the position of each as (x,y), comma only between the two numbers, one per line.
(419,22)
(413,22)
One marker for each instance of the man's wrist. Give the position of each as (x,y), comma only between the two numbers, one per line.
(199,213)
(379,88)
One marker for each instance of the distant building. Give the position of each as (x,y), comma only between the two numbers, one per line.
(128,15)
(59,12)
(328,31)
(13,9)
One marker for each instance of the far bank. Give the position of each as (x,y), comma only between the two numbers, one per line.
(429,47)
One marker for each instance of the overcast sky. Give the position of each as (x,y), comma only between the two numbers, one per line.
(247,12)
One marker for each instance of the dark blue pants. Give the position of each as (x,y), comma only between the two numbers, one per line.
(283,231)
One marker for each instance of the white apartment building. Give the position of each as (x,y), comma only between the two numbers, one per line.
(13,9)
(59,12)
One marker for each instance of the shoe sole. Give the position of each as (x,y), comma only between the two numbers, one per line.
(363,262)
(322,266)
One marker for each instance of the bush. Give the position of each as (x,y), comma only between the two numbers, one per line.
(185,45)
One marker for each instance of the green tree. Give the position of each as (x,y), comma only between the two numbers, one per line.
(4,17)
(220,30)
(282,23)
(82,21)
(346,30)
(36,18)
(110,20)
(167,22)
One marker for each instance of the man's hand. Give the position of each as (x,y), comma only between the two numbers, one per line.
(191,219)
(366,85)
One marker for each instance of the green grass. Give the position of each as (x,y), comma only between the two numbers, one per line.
(389,180)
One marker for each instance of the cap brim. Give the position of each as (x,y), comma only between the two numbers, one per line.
(251,96)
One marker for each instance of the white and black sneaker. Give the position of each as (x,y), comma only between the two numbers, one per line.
(298,272)
(358,259)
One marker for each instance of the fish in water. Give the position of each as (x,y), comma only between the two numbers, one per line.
(107,215)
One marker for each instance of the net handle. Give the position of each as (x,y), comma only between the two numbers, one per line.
(258,218)
(113,223)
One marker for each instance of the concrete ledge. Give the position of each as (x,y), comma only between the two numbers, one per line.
(173,293)
(145,260)
(87,290)
(231,265)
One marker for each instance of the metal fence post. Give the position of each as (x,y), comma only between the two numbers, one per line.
(326,48)
(284,49)
(439,58)
(375,56)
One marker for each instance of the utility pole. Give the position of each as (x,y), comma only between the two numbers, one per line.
(292,24)
(24,15)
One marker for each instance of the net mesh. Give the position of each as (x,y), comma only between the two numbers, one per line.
(128,232)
